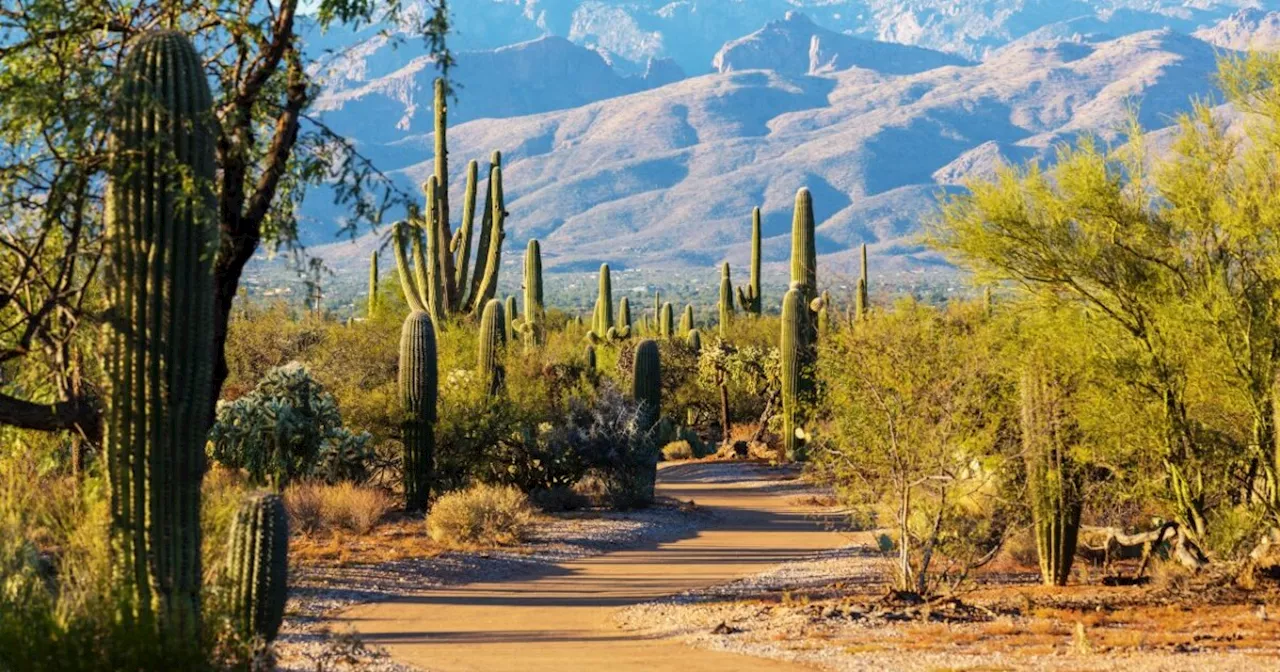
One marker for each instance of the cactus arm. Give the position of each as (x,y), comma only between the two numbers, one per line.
(462,254)
(407,280)
(489,282)
(473,301)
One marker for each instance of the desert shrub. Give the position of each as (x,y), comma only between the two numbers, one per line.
(481,515)
(315,506)
(556,499)
(288,427)
(605,434)
(678,450)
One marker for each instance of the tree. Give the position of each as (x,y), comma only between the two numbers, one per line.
(921,428)
(1177,251)
(56,62)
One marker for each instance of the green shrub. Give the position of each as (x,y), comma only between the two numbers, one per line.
(482,515)
(287,428)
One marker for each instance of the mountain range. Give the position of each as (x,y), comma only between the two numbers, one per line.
(611,159)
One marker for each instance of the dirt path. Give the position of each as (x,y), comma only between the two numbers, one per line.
(560,619)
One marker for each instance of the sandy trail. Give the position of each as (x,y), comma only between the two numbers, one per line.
(559,619)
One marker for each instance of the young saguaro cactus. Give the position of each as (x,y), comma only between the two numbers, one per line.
(749,298)
(794,348)
(624,316)
(602,319)
(492,339)
(419,387)
(666,321)
(258,565)
(726,301)
(694,340)
(373,283)
(824,314)
(512,318)
(646,383)
(1053,481)
(686,320)
(161,238)
(532,324)
(589,356)
(863,301)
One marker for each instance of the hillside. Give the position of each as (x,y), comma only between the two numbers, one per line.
(666,178)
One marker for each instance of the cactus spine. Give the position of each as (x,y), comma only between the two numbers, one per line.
(1053,482)
(646,383)
(258,565)
(418,384)
(666,321)
(726,301)
(491,341)
(793,348)
(686,320)
(750,298)
(373,283)
(160,244)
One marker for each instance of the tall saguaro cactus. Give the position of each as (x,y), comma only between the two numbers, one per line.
(863,300)
(646,383)
(794,349)
(491,341)
(750,297)
(258,565)
(666,321)
(160,242)
(419,387)
(1053,481)
(534,312)
(726,301)
(804,254)
(443,281)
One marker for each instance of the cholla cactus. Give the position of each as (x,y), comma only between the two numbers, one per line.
(287,428)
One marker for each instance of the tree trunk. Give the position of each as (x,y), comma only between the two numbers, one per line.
(724,412)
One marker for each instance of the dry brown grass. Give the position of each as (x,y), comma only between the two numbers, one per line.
(398,538)
(317,507)
(482,515)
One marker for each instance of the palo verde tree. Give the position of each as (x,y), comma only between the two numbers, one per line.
(56,61)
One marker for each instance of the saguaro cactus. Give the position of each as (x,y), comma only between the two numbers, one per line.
(686,320)
(750,297)
(824,314)
(646,383)
(624,316)
(666,321)
(804,255)
(160,244)
(726,301)
(1053,481)
(443,282)
(602,320)
(512,318)
(794,347)
(373,283)
(694,340)
(589,356)
(419,386)
(258,565)
(534,312)
(491,341)
(864,301)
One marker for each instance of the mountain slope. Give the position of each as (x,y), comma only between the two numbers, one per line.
(1247,29)
(667,177)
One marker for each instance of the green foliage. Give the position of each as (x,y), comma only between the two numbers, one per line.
(288,428)
(922,427)
(258,566)
(159,244)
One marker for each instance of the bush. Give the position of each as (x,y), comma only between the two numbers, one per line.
(315,507)
(605,434)
(482,515)
(677,450)
(287,428)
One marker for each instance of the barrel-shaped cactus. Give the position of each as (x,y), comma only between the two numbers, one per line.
(419,387)
(793,347)
(646,383)
(749,298)
(726,301)
(258,565)
(666,321)
(1053,480)
(161,238)
(492,339)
